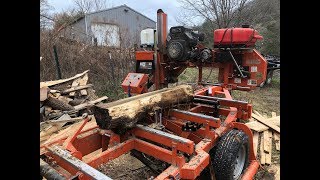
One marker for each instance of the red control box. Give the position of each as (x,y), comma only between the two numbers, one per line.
(137,83)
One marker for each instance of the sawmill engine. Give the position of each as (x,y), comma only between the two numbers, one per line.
(183,46)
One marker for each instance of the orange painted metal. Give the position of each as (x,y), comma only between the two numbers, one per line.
(251,170)
(111,153)
(194,167)
(136,82)
(159,152)
(196,119)
(144,55)
(187,147)
(167,148)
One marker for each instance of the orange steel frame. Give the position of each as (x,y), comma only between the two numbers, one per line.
(95,146)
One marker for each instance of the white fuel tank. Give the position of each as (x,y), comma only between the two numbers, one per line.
(147,36)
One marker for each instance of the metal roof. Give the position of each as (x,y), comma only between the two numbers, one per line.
(124,5)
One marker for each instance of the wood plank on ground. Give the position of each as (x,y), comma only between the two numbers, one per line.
(262,153)
(276,137)
(269,154)
(256,126)
(267,123)
(255,142)
(266,141)
(257,113)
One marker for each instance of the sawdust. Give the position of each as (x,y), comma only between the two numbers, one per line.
(126,167)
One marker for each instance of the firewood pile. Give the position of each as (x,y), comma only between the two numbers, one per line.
(266,136)
(62,102)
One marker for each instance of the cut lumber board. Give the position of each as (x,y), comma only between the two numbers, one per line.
(46,133)
(262,153)
(276,137)
(257,113)
(90,103)
(83,82)
(269,154)
(65,133)
(255,142)
(273,114)
(52,83)
(266,122)
(75,83)
(256,126)
(126,115)
(67,91)
(266,144)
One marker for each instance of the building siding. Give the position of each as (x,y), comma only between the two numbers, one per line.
(129,21)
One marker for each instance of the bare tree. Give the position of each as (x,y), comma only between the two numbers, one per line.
(219,12)
(45,18)
(87,6)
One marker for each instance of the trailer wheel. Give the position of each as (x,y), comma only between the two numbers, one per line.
(230,157)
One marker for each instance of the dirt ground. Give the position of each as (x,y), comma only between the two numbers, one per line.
(264,100)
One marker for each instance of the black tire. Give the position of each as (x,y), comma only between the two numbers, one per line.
(224,158)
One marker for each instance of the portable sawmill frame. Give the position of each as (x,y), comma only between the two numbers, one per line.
(187,151)
(76,155)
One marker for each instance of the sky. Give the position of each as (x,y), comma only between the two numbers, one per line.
(146,7)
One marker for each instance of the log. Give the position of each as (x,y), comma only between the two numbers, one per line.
(57,104)
(126,113)
(90,103)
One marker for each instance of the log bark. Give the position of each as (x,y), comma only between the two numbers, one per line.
(126,113)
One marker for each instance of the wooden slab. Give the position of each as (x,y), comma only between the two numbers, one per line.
(256,126)
(255,142)
(83,82)
(276,137)
(269,155)
(257,113)
(262,153)
(75,83)
(266,145)
(267,123)
(46,133)
(52,83)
